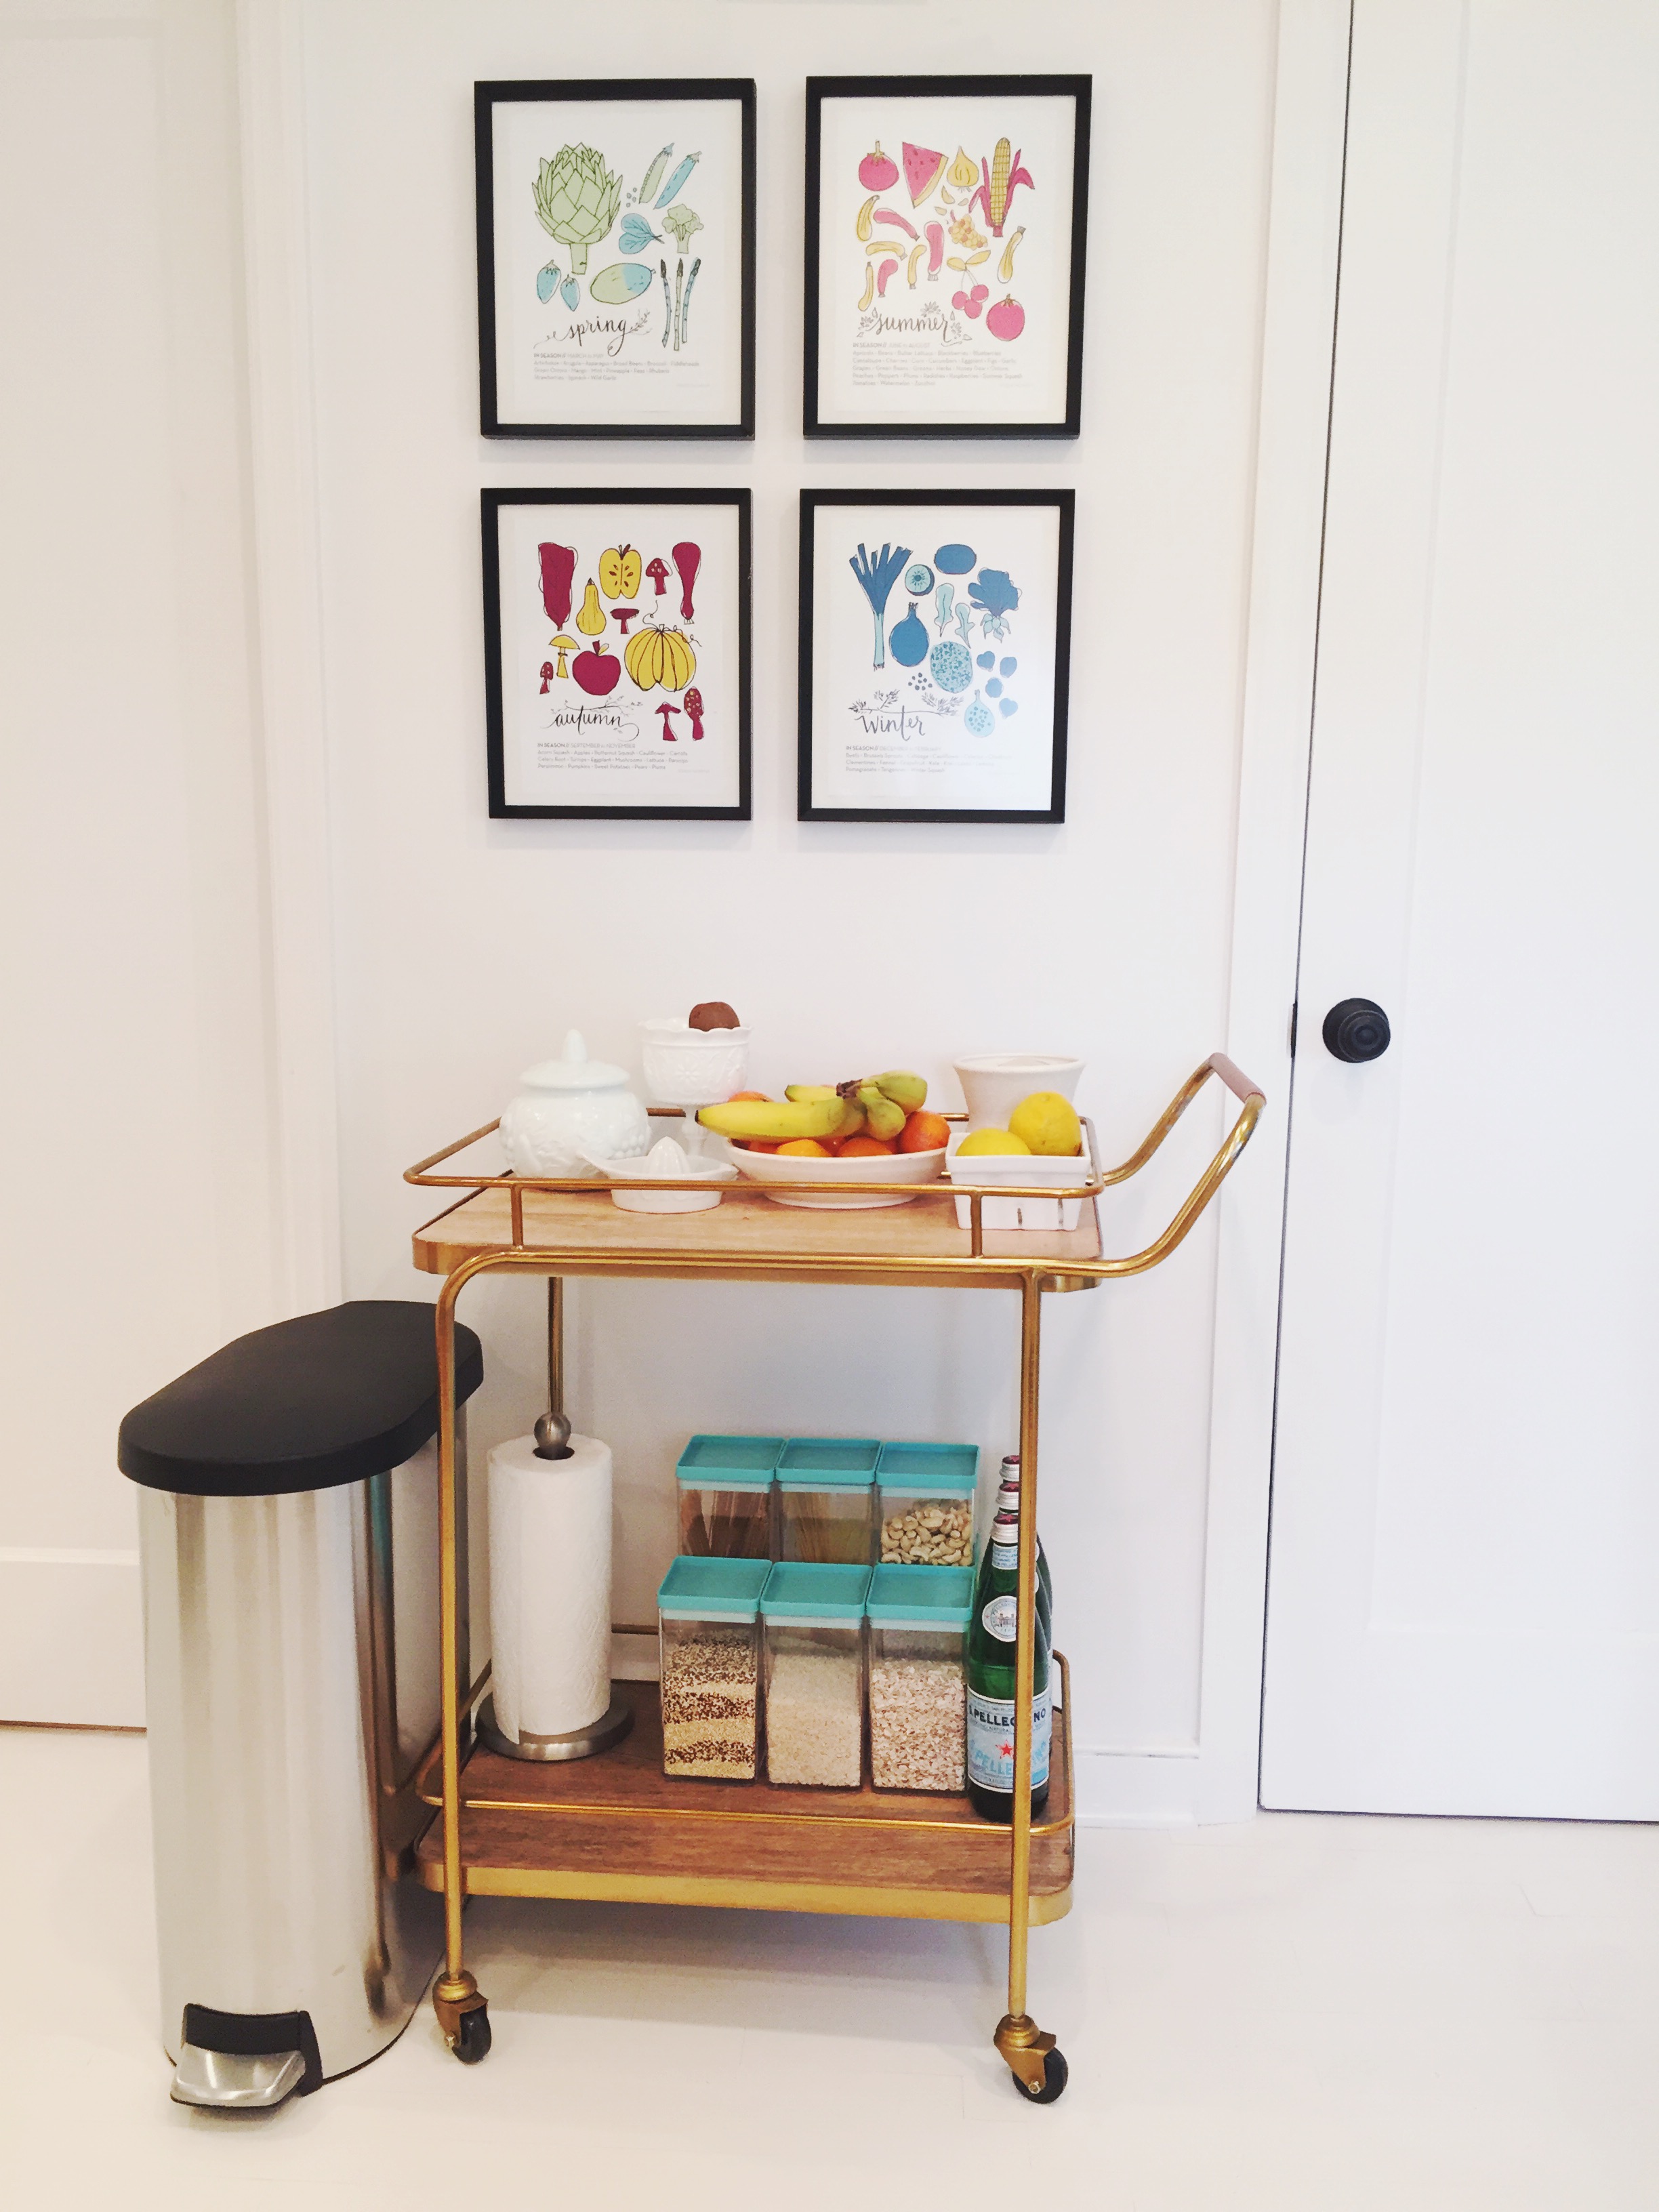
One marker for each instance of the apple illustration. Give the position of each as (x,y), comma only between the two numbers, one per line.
(596,671)
(1006,319)
(878,170)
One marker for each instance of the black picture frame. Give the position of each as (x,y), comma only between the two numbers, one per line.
(1065,504)
(486,97)
(492,500)
(821,89)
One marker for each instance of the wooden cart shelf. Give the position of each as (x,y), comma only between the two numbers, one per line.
(616,1828)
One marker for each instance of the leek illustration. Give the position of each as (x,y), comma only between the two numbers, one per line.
(875,581)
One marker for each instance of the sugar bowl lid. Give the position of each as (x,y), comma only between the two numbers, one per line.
(573,1069)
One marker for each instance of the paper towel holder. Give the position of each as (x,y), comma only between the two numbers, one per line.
(553,1427)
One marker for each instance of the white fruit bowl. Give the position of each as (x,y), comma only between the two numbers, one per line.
(773,1169)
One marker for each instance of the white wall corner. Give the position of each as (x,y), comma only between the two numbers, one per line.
(291,699)
(1297,343)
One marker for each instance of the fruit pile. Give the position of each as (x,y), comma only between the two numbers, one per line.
(870,1116)
(1045,1123)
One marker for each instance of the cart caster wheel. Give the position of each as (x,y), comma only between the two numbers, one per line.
(472,2037)
(1055,2074)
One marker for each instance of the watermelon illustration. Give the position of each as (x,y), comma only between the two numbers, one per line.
(923,168)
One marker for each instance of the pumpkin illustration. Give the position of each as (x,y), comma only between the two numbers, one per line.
(657,656)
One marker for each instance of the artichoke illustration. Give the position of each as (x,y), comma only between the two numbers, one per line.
(576,201)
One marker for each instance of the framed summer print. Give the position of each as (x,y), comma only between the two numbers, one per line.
(616,258)
(616,654)
(946,220)
(935,652)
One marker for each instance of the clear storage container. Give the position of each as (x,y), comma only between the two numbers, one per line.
(708,1633)
(814,1640)
(726,1496)
(825,1500)
(918,1636)
(925,1504)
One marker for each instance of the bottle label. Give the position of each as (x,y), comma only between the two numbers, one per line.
(1005,1555)
(1000,1616)
(991,1741)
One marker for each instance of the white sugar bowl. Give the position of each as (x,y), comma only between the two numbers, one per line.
(569,1109)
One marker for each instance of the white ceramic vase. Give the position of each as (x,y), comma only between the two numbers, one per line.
(568,1109)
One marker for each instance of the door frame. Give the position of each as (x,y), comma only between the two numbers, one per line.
(1299,314)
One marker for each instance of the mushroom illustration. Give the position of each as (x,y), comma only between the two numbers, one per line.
(694,709)
(668,708)
(657,570)
(561,645)
(547,674)
(623,616)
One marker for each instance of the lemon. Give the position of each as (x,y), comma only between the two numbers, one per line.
(1049,1124)
(990,1140)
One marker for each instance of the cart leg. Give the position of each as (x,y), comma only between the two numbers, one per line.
(462,2012)
(1038,2068)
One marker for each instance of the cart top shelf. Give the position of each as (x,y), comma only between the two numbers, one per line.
(747,1236)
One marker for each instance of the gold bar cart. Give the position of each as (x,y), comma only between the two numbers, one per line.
(613,1826)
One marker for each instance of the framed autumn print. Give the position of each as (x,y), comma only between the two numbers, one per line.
(935,652)
(616,654)
(946,223)
(616,258)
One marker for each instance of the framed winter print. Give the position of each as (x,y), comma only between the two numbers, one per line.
(935,652)
(616,654)
(946,219)
(616,258)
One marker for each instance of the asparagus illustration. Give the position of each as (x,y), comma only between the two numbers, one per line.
(667,304)
(679,279)
(685,304)
(875,580)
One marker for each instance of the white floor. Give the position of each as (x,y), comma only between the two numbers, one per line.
(1300,2012)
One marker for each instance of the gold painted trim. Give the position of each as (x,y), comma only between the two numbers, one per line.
(990,1909)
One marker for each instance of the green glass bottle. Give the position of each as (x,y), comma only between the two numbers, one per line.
(990,1677)
(1009,1492)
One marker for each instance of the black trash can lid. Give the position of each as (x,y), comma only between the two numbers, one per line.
(327,1398)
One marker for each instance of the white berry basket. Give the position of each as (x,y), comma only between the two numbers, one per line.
(1022,1169)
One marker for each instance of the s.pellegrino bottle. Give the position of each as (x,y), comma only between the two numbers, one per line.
(1008,1495)
(990,1679)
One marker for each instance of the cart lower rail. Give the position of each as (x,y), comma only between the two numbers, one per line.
(617,1828)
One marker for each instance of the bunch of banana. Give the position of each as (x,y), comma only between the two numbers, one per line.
(879,1103)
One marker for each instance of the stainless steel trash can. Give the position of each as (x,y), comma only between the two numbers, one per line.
(288,1526)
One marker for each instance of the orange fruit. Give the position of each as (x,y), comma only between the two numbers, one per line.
(804,1148)
(759,1096)
(754,1145)
(923,1132)
(865,1148)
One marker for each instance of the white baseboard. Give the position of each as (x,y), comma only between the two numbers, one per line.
(72,1638)
(1138,1789)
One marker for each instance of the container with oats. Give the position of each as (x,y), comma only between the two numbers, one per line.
(825,1498)
(925,1504)
(814,1657)
(708,1627)
(918,1619)
(726,1496)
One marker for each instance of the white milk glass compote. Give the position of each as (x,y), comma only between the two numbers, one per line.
(689,1068)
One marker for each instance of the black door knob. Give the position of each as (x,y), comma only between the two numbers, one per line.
(1356,1028)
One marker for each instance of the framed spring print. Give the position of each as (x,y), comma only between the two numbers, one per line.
(946,222)
(616,258)
(616,654)
(935,653)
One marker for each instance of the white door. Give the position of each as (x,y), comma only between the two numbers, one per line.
(1463,1611)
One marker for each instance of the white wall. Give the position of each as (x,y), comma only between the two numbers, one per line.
(135,1109)
(464,948)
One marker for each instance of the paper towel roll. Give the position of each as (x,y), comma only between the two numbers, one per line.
(549,1586)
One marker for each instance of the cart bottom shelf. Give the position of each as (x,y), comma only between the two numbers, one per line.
(615,1828)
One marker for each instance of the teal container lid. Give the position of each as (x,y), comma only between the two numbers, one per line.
(797,1592)
(921,1597)
(712,1589)
(933,1468)
(828,1463)
(729,1462)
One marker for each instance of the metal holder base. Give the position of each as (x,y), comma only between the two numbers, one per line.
(611,1727)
